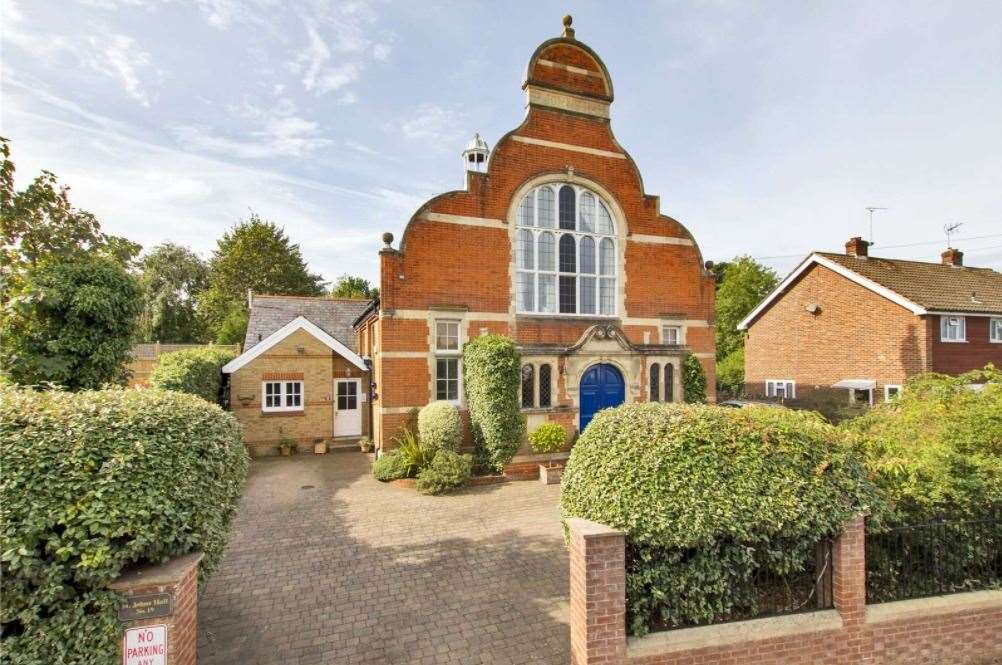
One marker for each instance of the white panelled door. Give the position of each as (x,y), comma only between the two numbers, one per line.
(347,407)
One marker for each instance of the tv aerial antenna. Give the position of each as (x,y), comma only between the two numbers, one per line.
(950,229)
(871,210)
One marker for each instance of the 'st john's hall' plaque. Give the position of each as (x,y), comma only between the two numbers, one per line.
(146,606)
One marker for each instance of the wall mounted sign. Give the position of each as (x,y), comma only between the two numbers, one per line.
(145,646)
(146,606)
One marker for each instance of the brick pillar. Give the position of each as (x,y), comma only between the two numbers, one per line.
(849,592)
(598,594)
(164,595)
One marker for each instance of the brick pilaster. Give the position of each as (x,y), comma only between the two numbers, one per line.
(179,578)
(849,592)
(598,594)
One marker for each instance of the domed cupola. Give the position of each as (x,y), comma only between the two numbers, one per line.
(566,74)
(476,154)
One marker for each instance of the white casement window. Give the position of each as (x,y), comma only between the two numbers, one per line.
(891,392)
(995,330)
(447,359)
(671,334)
(565,253)
(952,329)
(282,396)
(781,388)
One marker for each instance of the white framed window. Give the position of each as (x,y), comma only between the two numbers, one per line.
(995,329)
(952,329)
(891,392)
(447,359)
(565,253)
(671,334)
(282,396)
(781,388)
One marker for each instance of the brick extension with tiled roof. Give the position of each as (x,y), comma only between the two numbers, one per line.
(936,287)
(334,316)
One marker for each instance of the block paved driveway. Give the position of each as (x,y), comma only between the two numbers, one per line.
(327,565)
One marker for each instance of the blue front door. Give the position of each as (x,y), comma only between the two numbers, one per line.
(602,386)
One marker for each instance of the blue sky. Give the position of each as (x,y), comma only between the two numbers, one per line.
(766,128)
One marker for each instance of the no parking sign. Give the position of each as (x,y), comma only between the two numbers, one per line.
(145,646)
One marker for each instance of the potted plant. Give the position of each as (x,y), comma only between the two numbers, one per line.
(365,444)
(319,447)
(287,446)
(547,439)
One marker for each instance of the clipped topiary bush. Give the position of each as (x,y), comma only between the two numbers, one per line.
(96,481)
(447,471)
(707,496)
(440,427)
(693,380)
(391,466)
(491,374)
(547,438)
(194,371)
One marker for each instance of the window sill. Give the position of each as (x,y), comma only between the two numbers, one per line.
(283,414)
(604,318)
(953,341)
(544,409)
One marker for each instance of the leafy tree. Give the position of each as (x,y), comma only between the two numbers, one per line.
(255,255)
(39,223)
(234,327)
(731,371)
(351,286)
(172,278)
(71,322)
(745,282)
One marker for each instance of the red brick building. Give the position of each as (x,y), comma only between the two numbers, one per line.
(554,243)
(864,324)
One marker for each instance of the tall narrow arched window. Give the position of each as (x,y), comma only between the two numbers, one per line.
(546,208)
(568,213)
(572,271)
(669,382)
(655,383)
(545,386)
(568,282)
(528,386)
(525,212)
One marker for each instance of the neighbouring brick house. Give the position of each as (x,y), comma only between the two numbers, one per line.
(863,325)
(554,243)
(300,375)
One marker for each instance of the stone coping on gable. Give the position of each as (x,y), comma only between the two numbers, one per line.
(716,635)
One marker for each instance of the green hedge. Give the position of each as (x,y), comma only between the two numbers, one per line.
(491,374)
(707,496)
(440,427)
(194,371)
(693,380)
(93,482)
(935,451)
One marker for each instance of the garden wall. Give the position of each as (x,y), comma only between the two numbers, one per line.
(959,629)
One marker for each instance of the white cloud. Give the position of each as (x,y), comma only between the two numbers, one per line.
(432,124)
(337,77)
(120,56)
(288,136)
(381,51)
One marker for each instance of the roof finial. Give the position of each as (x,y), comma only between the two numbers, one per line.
(568,30)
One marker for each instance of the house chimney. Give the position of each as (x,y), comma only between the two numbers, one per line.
(952,257)
(857,247)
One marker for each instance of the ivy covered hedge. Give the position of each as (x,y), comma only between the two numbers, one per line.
(491,365)
(693,380)
(707,496)
(194,371)
(935,451)
(96,481)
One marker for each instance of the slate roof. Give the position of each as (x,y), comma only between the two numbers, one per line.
(333,315)
(934,286)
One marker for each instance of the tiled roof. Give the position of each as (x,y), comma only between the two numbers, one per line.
(934,286)
(333,315)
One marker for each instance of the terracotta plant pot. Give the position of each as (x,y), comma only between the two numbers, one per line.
(320,448)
